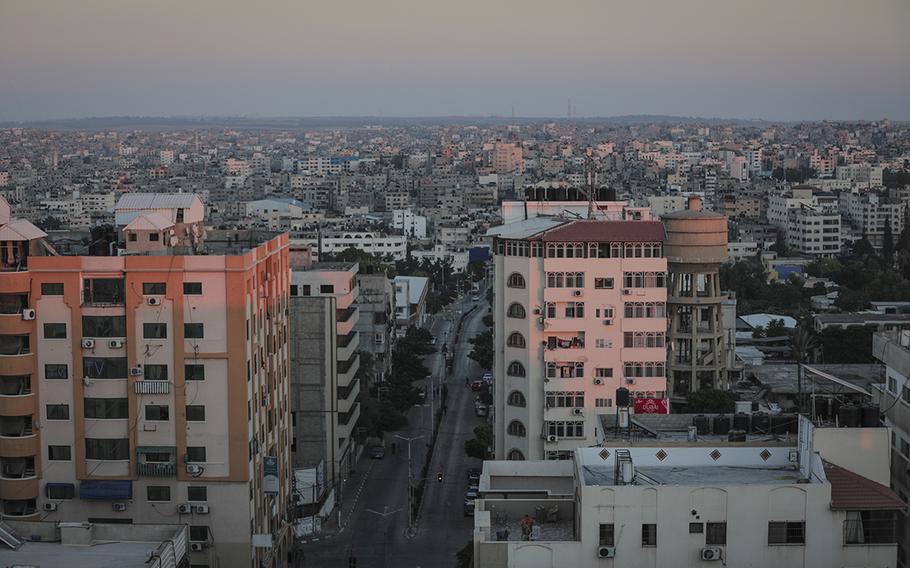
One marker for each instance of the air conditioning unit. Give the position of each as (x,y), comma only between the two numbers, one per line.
(627,292)
(88,343)
(598,381)
(606,551)
(630,381)
(153,301)
(120,507)
(184,508)
(552,438)
(577,292)
(193,469)
(577,411)
(115,344)
(712,553)
(608,321)
(50,506)
(28,314)
(201,509)
(197,546)
(135,371)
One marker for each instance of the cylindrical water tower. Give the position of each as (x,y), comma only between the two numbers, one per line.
(696,247)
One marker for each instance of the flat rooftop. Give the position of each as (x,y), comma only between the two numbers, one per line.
(99,555)
(695,475)
(782,379)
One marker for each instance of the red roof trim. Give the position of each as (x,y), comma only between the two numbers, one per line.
(607,231)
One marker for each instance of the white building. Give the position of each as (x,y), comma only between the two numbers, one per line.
(410,302)
(334,242)
(862,175)
(409,223)
(812,232)
(817,500)
(870,213)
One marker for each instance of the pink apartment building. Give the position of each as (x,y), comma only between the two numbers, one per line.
(580,311)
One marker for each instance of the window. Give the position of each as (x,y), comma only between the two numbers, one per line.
(155,372)
(158,493)
(644,369)
(645,310)
(516,399)
(56,371)
(696,528)
(644,339)
(199,533)
(644,280)
(197,493)
(156,412)
(516,428)
(59,453)
(105,367)
(192,288)
(107,449)
(52,288)
(565,370)
(565,429)
(103,291)
(515,369)
(606,534)
(307,290)
(195,453)
(515,280)
(55,331)
(575,309)
(195,413)
(561,399)
(154,331)
(787,532)
(516,311)
(158,457)
(193,331)
(516,340)
(892,385)
(906,394)
(326,288)
(603,402)
(603,284)
(154,237)
(60,491)
(154,288)
(649,534)
(194,372)
(58,412)
(551,310)
(516,455)
(603,372)
(106,408)
(103,326)
(716,534)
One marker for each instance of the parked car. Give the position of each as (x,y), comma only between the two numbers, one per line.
(488,378)
(468,508)
(471,493)
(476,385)
(473,475)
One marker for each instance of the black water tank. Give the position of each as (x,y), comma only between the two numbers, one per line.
(741,421)
(736,436)
(782,423)
(702,424)
(870,416)
(721,424)
(761,423)
(849,416)
(622,397)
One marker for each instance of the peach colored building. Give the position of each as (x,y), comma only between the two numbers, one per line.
(150,388)
(580,311)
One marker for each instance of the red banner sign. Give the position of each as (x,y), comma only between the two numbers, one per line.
(652,406)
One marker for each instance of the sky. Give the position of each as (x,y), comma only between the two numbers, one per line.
(770,59)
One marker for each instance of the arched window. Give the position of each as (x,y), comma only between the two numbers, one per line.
(516,399)
(516,340)
(516,280)
(515,369)
(516,310)
(516,455)
(516,428)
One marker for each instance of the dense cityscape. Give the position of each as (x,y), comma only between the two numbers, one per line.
(249,318)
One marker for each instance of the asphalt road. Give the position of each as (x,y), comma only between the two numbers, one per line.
(374,502)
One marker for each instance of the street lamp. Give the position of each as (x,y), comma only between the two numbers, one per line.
(410,481)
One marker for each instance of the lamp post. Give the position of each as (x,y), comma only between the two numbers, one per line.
(410,481)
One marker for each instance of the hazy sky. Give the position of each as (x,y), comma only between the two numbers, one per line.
(775,59)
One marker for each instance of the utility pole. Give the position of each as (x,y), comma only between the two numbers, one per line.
(410,482)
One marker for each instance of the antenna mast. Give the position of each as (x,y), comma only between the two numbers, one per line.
(590,182)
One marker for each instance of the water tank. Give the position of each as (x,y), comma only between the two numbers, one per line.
(849,416)
(870,416)
(761,423)
(741,421)
(721,424)
(821,407)
(736,436)
(702,424)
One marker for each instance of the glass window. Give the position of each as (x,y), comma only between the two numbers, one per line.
(194,372)
(156,412)
(52,288)
(197,493)
(326,289)
(55,331)
(155,372)
(103,326)
(103,291)
(59,453)
(154,331)
(192,288)
(60,492)
(195,413)
(516,399)
(158,493)
(516,340)
(56,371)
(603,284)
(606,534)
(787,532)
(649,534)
(58,412)
(106,408)
(516,428)
(193,331)
(516,369)
(105,367)
(107,449)
(716,534)
(516,280)
(516,310)
(154,288)
(199,533)
(195,453)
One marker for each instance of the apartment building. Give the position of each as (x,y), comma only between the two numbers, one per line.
(861,175)
(580,310)
(506,158)
(779,206)
(811,231)
(324,365)
(893,398)
(870,214)
(817,500)
(376,322)
(410,302)
(150,387)
(334,242)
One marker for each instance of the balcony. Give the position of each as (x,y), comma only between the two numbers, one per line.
(346,319)
(347,369)
(20,508)
(15,345)
(156,469)
(347,396)
(347,345)
(19,479)
(19,446)
(350,418)
(160,461)
(152,387)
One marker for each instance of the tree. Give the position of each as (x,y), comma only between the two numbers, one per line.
(863,248)
(710,401)
(477,446)
(888,242)
(758,332)
(776,328)
(850,300)
(465,557)
(49,223)
(482,351)
(803,345)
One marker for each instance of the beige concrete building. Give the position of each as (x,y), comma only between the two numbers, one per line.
(149,388)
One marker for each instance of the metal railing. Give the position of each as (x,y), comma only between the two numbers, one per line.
(859,532)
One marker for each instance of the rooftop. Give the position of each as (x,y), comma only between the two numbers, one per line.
(696,475)
(852,491)
(782,379)
(607,231)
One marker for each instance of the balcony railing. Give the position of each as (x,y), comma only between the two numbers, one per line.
(345,417)
(157,469)
(153,387)
(859,532)
(345,366)
(345,314)
(345,340)
(345,392)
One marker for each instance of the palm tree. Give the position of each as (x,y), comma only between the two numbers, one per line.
(803,344)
